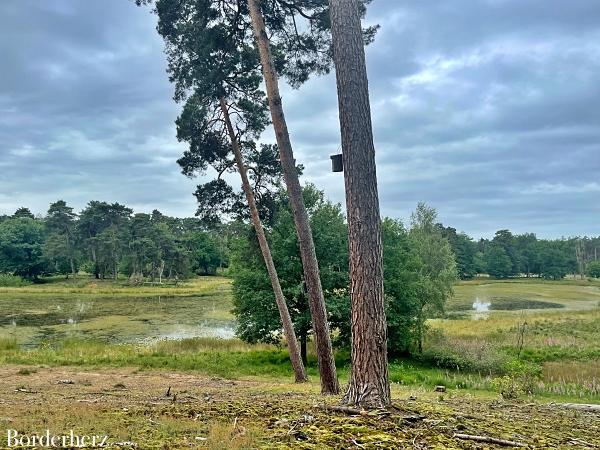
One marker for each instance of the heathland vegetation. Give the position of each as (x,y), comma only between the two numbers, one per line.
(170,332)
(122,336)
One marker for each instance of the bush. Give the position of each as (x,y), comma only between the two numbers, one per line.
(8,343)
(520,378)
(7,280)
(593,269)
(507,386)
(463,355)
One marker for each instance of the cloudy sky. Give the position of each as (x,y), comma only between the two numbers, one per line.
(488,110)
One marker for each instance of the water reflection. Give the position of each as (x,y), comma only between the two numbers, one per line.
(481,308)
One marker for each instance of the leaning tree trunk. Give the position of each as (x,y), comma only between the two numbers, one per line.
(369,385)
(288,327)
(329,381)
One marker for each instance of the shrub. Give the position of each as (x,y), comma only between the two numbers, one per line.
(507,386)
(526,373)
(520,378)
(8,343)
(593,269)
(463,355)
(7,280)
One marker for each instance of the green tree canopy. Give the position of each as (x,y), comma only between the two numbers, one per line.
(593,269)
(498,262)
(61,245)
(21,247)
(437,269)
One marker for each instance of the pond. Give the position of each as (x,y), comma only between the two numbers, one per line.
(479,300)
(34,319)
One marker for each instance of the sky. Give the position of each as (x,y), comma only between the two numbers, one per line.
(487,110)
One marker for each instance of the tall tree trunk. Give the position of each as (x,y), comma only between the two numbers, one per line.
(288,327)
(369,384)
(329,381)
(303,342)
(96,267)
(70,250)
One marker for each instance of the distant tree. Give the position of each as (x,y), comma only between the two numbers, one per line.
(437,269)
(464,250)
(23,212)
(103,229)
(506,240)
(554,263)
(163,247)
(581,256)
(479,263)
(498,263)
(21,247)
(143,252)
(61,245)
(593,269)
(204,253)
(526,248)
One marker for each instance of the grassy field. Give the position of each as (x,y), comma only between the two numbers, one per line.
(547,334)
(58,287)
(537,342)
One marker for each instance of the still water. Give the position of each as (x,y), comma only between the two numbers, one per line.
(115,319)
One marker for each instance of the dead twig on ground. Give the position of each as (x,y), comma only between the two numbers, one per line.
(343,409)
(489,440)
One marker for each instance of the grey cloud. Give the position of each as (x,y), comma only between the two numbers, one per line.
(486,110)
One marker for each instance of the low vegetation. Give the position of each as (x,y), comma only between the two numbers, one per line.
(496,354)
(169,409)
(505,358)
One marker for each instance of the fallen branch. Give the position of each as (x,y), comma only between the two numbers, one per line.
(578,406)
(582,442)
(489,440)
(344,409)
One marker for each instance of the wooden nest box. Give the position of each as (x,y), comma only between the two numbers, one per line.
(337,163)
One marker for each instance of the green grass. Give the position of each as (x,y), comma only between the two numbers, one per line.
(88,286)
(7,280)
(8,343)
(233,359)
(224,358)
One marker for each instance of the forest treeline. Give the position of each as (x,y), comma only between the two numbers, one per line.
(514,255)
(107,239)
